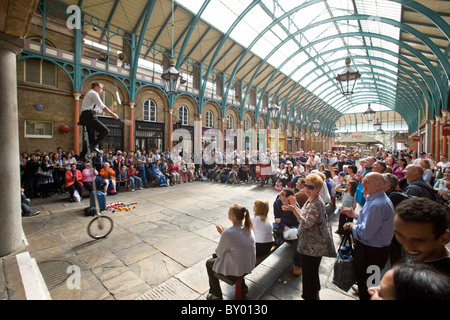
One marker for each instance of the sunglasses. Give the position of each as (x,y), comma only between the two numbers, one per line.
(309,187)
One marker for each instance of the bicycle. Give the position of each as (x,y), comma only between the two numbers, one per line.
(100,226)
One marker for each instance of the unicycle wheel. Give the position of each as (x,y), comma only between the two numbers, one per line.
(100,227)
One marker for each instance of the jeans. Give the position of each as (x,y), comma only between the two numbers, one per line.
(141,174)
(133,180)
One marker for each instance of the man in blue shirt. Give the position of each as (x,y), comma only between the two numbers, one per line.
(373,231)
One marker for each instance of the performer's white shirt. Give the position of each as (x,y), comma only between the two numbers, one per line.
(92,101)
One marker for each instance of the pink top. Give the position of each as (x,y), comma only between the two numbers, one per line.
(86,173)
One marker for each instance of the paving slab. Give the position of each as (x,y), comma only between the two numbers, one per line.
(157,250)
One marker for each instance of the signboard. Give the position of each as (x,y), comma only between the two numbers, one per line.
(416,138)
(446,130)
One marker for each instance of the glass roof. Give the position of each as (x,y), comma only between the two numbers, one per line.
(313,56)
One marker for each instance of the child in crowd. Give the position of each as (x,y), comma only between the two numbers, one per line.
(262,227)
(279,185)
(133,177)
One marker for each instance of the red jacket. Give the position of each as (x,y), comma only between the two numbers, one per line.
(70,179)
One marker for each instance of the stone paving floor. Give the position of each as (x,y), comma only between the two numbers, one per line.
(157,250)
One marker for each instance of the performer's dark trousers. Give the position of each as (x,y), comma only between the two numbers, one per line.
(93,125)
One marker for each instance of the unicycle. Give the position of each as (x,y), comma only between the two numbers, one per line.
(100,226)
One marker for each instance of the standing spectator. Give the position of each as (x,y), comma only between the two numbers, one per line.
(58,173)
(31,167)
(46,177)
(416,185)
(427,173)
(399,168)
(441,166)
(140,161)
(348,201)
(314,236)
(68,161)
(373,231)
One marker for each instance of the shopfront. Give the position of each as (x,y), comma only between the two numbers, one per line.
(115,139)
(149,136)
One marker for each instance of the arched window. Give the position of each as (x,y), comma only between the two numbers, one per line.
(149,110)
(39,70)
(246,125)
(183,115)
(230,122)
(209,119)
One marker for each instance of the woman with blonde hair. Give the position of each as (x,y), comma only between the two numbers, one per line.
(314,236)
(262,227)
(235,254)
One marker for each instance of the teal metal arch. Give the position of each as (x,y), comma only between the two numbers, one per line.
(418,82)
(340,96)
(409,62)
(219,47)
(378,74)
(433,47)
(416,52)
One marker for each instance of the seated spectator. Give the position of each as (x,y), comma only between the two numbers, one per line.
(166,172)
(236,252)
(173,168)
(262,227)
(108,174)
(284,220)
(73,181)
(133,178)
(190,170)
(26,210)
(87,177)
(412,281)
(182,170)
(160,179)
(122,175)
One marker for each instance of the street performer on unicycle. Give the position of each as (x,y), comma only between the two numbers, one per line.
(93,105)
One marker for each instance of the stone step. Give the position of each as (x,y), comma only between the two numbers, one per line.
(21,279)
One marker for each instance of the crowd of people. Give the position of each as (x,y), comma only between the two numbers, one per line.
(395,206)
(384,201)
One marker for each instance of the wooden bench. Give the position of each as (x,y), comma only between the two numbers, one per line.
(118,182)
(238,282)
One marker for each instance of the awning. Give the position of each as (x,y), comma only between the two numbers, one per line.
(358,138)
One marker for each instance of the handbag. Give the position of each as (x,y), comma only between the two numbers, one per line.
(344,276)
